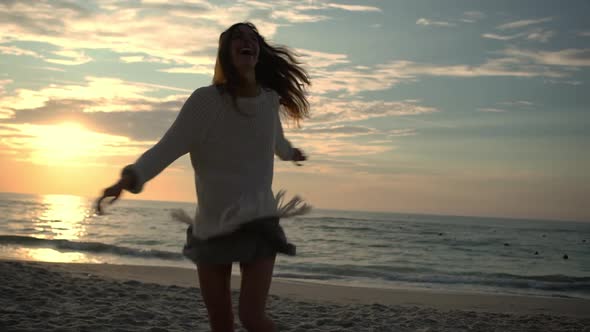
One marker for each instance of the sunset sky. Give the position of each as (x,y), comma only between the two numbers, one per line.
(446,107)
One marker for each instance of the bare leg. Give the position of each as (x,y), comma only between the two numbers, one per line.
(214,280)
(256,278)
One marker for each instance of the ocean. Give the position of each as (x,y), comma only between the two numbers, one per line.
(365,249)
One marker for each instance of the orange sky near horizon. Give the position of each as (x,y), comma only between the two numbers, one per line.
(59,162)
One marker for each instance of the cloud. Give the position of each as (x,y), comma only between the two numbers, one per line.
(295,16)
(47,68)
(194,69)
(534,34)
(335,110)
(127,120)
(338,130)
(491,110)
(540,35)
(401,132)
(73,29)
(350,81)
(321,5)
(506,66)
(200,22)
(133,129)
(354,8)
(146,126)
(180,35)
(136,58)
(321,59)
(349,131)
(502,37)
(567,82)
(472,16)
(427,22)
(13,50)
(105,105)
(65,57)
(334,148)
(136,125)
(468,17)
(3,84)
(69,58)
(143,59)
(161,87)
(524,103)
(125,108)
(5,110)
(523,23)
(331,72)
(568,57)
(114,95)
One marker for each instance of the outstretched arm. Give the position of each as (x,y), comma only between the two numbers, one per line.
(177,141)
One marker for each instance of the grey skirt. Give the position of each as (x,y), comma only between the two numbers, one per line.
(260,238)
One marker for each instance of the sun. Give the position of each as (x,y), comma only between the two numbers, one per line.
(63,143)
(67,144)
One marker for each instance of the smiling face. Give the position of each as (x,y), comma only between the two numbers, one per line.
(244,48)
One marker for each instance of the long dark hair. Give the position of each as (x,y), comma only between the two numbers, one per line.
(277,69)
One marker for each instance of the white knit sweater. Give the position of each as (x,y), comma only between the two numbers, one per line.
(232,154)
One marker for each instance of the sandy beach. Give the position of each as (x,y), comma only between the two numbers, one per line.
(37,296)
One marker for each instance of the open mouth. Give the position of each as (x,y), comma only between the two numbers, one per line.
(246,51)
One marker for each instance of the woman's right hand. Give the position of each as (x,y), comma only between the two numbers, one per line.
(112,191)
(298,156)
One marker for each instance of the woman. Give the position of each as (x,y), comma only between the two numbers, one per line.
(232,130)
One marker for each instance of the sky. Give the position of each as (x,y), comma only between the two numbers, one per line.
(455,107)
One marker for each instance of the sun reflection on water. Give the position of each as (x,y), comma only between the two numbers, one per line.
(52,255)
(62,217)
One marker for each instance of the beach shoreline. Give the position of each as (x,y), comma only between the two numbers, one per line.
(27,287)
(309,291)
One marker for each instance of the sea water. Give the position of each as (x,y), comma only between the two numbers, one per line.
(366,249)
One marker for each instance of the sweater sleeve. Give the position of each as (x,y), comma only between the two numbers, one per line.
(283,147)
(176,142)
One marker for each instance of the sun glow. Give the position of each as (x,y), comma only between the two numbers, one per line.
(68,144)
(63,143)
